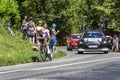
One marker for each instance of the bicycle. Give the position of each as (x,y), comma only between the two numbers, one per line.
(44,52)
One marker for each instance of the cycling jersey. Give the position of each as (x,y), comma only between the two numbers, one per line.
(46,33)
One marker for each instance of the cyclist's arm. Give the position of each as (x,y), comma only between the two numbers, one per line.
(39,37)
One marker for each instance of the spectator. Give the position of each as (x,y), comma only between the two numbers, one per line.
(8,26)
(109,38)
(31,30)
(24,27)
(53,36)
(115,46)
(38,31)
(39,26)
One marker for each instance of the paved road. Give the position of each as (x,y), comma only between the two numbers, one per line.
(92,66)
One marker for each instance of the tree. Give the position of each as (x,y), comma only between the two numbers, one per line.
(9,10)
(69,14)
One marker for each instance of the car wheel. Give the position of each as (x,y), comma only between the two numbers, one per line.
(106,52)
(80,52)
(68,49)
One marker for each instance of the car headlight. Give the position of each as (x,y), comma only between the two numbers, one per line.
(80,42)
(104,41)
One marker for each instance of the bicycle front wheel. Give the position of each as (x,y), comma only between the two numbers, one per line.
(49,56)
(43,53)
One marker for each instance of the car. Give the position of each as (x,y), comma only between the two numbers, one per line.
(93,41)
(72,41)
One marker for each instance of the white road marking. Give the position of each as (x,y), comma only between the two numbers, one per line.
(53,62)
(4,72)
(58,66)
(32,79)
(35,79)
(70,64)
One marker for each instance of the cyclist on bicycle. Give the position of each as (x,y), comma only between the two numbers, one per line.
(43,36)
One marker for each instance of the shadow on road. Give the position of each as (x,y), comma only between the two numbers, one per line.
(35,59)
(86,53)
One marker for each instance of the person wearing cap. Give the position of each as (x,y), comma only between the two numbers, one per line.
(39,27)
(38,31)
(53,37)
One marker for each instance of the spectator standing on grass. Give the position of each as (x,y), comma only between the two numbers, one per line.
(8,27)
(38,31)
(31,30)
(24,27)
(53,36)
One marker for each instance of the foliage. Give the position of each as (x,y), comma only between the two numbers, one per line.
(9,11)
(68,14)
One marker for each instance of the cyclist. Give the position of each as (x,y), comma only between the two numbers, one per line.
(44,36)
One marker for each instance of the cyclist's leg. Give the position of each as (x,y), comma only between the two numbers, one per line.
(39,45)
(49,55)
(47,45)
(117,48)
(43,51)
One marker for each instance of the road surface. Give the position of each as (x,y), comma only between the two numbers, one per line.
(88,66)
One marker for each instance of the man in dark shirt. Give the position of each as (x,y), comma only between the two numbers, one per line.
(24,27)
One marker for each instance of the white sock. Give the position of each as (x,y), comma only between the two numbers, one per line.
(48,49)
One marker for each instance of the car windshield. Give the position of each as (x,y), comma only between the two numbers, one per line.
(93,34)
(76,36)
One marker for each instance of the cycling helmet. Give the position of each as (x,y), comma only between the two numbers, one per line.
(54,25)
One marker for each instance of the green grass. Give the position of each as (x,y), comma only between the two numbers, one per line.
(59,54)
(17,51)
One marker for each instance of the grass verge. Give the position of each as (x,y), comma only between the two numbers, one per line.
(59,54)
(17,51)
